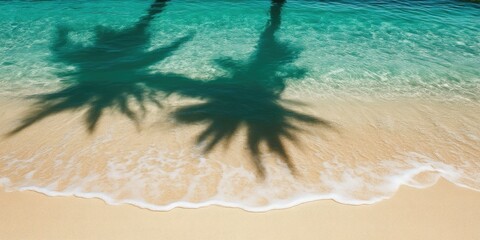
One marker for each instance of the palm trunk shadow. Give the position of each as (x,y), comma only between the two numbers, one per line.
(111,73)
(251,98)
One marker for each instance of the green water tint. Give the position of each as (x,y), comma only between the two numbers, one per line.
(114,69)
(355,47)
(361,46)
(108,73)
(235,62)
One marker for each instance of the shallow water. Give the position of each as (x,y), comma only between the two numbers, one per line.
(247,104)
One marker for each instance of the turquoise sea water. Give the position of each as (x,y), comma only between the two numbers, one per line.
(243,69)
(381,47)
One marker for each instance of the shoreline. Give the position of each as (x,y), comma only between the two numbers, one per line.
(443,211)
(253,120)
(371,150)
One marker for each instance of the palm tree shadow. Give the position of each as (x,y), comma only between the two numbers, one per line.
(251,97)
(111,73)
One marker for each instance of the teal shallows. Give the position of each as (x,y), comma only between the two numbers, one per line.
(240,60)
(386,47)
(112,71)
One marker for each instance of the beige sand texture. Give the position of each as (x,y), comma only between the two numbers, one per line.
(441,212)
(371,141)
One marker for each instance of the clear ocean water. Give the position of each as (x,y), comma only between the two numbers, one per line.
(238,59)
(405,47)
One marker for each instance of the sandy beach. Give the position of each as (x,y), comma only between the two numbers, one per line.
(443,211)
(266,120)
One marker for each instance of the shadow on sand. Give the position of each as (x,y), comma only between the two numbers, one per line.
(112,73)
(109,74)
(251,98)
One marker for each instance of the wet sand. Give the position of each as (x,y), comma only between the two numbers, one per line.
(444,211)
(368,151)
(440,212)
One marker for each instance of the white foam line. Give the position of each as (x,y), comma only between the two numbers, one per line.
(184,204)
(295,201)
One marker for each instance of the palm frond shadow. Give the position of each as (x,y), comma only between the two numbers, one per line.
(251,98)
(109,74)
(113,74)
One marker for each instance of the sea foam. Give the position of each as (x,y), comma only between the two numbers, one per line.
(245,107)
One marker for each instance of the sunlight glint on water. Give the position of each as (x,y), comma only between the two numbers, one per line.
(238,103)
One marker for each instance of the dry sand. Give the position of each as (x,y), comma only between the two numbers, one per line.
(443,211)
